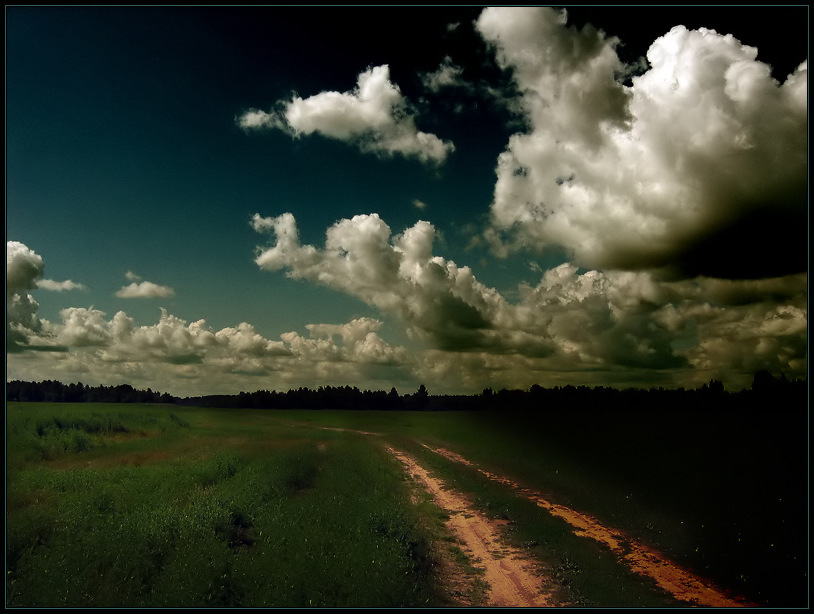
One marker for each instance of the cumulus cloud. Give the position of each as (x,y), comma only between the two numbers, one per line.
(590,322)
(574,326)
(398,275)
(359,341)
(23,268)
(698,167)
(447,75)
(632,330)
(87,343)
(374,116)
(145,289)
(727,330)
(473,93)
(438,301)
(59,286)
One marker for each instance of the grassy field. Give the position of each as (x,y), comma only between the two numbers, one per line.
(151,505)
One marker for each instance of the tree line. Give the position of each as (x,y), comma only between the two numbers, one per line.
(766,388)
(50,391)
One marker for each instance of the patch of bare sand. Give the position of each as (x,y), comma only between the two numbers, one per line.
(678,582)
(513,579)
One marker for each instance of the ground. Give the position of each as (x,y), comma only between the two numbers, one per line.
(510,578)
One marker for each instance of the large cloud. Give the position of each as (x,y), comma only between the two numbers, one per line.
(23,268)
(572,327)
(180,357)
(614,323)
(398,275)
(194,358)
(374,116)
(699,167)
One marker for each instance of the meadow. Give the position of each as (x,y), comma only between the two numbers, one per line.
(126,505)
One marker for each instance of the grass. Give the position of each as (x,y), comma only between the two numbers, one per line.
(163,506)
(723,493)
(228,515)
(584,573)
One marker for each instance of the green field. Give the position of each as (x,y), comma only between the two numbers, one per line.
(158,505)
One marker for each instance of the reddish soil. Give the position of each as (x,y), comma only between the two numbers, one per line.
(678,582)
(513,580)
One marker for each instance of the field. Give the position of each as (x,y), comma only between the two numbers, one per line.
(159,505)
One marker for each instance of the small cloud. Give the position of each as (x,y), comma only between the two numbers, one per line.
(132,276)
(374,116)
(448,74)
(255,119)
(145,289)
(59,286)
(419,204)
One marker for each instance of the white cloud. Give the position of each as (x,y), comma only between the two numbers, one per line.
(193,358)
(144,289)
(448,74)
(360,341)
(23,268)
(244,340)
(83,327)
(591,328)
(584,324)
(398,275)
(59,286)
(704,156)
(374,116)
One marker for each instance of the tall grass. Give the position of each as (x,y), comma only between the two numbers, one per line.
(112,505)
(282,517)
(724,493)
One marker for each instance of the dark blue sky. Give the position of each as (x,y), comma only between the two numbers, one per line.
(126,164)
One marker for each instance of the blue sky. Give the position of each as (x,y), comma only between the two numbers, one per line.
(211,199)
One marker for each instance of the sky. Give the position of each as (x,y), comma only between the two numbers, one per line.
(208,200)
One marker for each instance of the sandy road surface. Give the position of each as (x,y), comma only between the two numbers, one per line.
(678,582)
(514,581)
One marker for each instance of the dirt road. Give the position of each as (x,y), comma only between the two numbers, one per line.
(513,580)
(678,582)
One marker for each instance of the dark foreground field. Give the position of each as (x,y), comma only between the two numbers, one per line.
(154,505)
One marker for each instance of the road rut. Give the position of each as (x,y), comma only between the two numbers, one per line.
(513,579)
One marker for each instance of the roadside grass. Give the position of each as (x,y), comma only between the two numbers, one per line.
(583,573)
(240,511)
(45,431)
(723,493)
(129,505)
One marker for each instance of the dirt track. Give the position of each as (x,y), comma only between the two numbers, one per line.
(516,581)
(680,583)
(513,579)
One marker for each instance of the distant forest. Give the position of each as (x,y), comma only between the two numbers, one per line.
(767,392)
